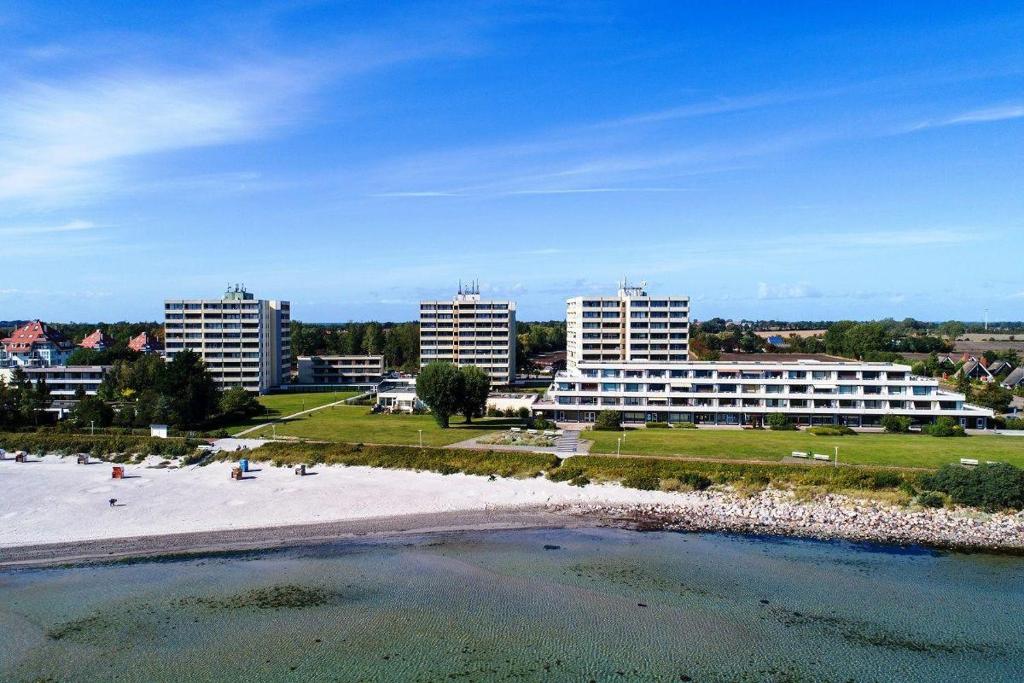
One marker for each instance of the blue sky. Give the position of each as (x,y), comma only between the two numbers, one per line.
(771,160)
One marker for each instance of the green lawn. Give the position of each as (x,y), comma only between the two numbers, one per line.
(904,450)
(281,405)
(355,424)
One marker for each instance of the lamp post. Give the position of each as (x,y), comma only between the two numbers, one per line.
(837,457)
(92,428)
(421,437)
(618,446)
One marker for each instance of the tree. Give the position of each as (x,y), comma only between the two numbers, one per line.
(476,386)
(92,411)
(994,397)
(440,386)
(608,421)
(239,403)
(778,422)
(193,396)
(963,384)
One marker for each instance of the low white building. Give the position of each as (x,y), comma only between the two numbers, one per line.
(399,395)
(340,370)
(855,394)
(504,402)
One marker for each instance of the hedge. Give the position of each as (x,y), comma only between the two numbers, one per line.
(98,445)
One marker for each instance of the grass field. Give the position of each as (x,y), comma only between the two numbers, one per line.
(281,405)
(902,450)
(355,424)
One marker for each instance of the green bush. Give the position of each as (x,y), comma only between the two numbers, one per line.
(684,425)
(1014,423)
(989,487)
(541,423)
(831,430)
(565,473)
(656,425)
(644,482)
(608,421)
(580,481)
(695,480)
(931,499)
(896,424)
(944,426)
(778,422)
(100,445)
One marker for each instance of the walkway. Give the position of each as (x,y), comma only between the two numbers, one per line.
(293,415)
(567,443)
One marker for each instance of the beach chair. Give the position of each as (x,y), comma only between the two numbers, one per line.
(83,458)
(20,456)
(300,470)
(799,454)
(117,472)
(819,456)
(236,473)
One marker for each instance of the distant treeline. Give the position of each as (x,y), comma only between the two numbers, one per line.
(949,328)
(881,340)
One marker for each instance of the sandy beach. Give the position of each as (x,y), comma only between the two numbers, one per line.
(54,510)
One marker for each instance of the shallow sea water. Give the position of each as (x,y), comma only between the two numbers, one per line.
(574,605)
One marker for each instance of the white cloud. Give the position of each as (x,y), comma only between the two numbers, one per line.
(70,226)
(766,291)
(988,115)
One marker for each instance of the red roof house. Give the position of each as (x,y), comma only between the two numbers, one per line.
(36,343)
(97,340)
(144,343)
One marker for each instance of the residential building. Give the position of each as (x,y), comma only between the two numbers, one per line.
(244,341)
(468,330)
(974,368)
(1015,379)
(144,343)
(98,340)
(856,394)
(340,369)
(35,344)
(631,326)
(65,380)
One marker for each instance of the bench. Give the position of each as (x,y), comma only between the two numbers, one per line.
(819,456)
(969,462)
(515,430)
(799,454)
(532,431)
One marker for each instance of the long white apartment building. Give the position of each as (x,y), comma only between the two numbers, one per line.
(468,330)
(630,326)
(855,394)
(244,341)
(325,370)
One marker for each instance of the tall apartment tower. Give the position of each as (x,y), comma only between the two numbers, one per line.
(243,340)
(468,330)
(631,326)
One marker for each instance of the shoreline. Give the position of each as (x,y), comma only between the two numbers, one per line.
(639,518)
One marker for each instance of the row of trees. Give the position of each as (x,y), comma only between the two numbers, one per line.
(450,390)
(23,404)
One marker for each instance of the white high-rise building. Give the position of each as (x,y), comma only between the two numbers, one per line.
(468,330)
(244,341)
(631,326)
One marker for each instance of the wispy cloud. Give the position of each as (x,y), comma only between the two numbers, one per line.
(70,226)
(988,115)
(797,291)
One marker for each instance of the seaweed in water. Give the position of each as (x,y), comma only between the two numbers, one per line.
(286,596)
(76,627)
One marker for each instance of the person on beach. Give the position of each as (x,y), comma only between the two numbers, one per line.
(112,501)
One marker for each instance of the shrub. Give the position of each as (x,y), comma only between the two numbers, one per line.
(1015,423)
(656,425)
(931,499)
(644,482)
(523,413)
(580,481)
(608,421)
(944,426)
(831,430)
(541,423)
(565,473)
(778,422)
(989,487)
(493,412)
(685,425)
(896,424)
